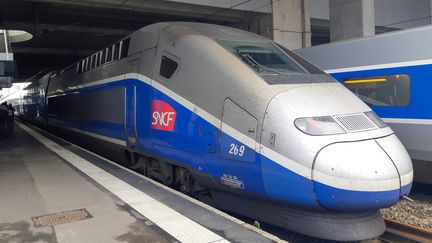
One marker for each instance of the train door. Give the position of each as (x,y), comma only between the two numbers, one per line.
(241,147)
(130,110)
(239,167)
(131,90)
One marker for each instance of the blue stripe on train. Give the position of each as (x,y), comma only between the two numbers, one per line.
(345,200)
(195,142)
(420,77)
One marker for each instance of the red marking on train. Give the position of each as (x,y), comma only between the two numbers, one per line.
(163,116)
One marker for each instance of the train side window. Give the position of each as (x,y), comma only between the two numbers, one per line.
(124,48)
(87,63)
(103,58)
(109,54)
(116,51)
(100,58)
(93,61)
(167,67)
(383,90)
(97,59)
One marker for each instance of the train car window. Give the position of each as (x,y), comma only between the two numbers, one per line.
(264,57)
(125,48)
(88,66)
(167,67)
(99,58)
(87,63)
(273,64)
(94,103)
(120,50)
(116,51)
(103,56)
(385,90)
(93,61)
(96,56)
(109,55)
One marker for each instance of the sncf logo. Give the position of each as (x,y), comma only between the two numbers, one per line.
(163,116)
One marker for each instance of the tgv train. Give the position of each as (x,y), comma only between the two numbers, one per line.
(389,72)
(230,115)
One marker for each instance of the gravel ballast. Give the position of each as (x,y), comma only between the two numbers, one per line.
(417,213)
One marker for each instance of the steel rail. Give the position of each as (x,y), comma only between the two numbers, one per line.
(406,231)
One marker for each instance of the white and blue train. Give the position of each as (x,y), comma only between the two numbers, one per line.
(229,115)
(391,73)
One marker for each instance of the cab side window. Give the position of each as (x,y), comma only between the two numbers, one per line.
(384,90)
(168,67)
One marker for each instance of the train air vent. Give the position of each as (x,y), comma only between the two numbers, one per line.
(356,122)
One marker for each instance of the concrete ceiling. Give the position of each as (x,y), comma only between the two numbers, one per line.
(67,30)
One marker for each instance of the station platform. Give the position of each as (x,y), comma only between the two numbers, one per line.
(54,191)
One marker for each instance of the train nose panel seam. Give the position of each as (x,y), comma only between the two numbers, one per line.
(394,164)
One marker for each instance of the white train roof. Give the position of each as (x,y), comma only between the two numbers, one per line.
(399,48)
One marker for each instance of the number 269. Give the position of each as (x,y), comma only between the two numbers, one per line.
(236,150)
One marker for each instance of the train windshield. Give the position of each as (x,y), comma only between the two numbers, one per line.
(272,63)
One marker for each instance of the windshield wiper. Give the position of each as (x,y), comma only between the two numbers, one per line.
(254,64)
(249,60)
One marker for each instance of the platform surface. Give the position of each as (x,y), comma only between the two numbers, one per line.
(41,174)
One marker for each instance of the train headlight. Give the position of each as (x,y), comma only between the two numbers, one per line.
(376,119)
(321,125)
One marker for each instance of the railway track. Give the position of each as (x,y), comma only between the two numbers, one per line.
(401,232)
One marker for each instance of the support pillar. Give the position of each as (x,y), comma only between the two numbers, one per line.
(430,11)
(260,24)
(291,23)
(351,19)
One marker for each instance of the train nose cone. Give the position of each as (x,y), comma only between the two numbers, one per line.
(363,175)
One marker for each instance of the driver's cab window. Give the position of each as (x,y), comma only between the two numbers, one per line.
(168,66)
(385,90)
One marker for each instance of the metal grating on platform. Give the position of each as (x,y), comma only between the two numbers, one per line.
(61,217)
